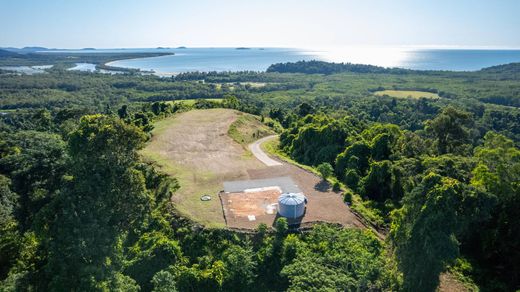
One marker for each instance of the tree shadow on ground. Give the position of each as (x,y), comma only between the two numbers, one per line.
(322,186)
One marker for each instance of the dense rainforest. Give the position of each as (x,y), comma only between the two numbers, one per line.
(80,210)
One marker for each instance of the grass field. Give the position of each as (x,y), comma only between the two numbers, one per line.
(194,147)
(232,87)
(407,94)
(254,84)
(191,102)
(247,129)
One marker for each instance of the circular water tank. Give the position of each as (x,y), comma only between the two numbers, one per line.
(291,205)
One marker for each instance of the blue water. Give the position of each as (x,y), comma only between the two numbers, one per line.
(458,60)
(258,59)
(214,59)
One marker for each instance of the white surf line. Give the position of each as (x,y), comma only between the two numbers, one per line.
(259,153)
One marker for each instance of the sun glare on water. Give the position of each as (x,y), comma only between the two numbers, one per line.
(380,56)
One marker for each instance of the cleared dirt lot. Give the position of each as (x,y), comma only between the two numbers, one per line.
(323,205)
(254,207)
(194,147)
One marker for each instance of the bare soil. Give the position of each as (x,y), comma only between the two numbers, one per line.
(194,147)
(255,207)
(448,283)
(198,139)
(323,205)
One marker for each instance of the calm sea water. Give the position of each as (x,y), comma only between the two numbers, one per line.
(215,59)
(230,59)
(259,59)
(458,60)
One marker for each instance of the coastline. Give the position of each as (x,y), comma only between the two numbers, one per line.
(423,59)
(109,67)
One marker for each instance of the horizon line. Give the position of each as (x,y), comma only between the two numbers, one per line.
(445,47)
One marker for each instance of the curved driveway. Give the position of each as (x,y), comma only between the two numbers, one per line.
(259,153)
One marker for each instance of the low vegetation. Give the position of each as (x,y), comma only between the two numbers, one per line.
(248,128)
(407,94)
(191,102)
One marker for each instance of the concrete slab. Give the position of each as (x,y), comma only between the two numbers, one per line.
(285,183)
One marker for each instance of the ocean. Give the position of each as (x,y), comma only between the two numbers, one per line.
(259,59)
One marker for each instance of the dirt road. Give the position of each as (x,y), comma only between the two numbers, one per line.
(260,155)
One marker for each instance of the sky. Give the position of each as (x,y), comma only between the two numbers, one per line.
(259,23)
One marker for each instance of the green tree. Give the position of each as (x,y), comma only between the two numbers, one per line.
(378,184)
(281,227)
(426,229)
(104,198)
(450,128)
(231,101)
(240,268)
(495,242)
(156,108)
(8,200)
(383,139)
(356,156)
(325,170)
(9,236)
(43,120)
(270,258)
(118,282)
(332,259)
(381,148)
(153,252)
(205,276)
(305,109)
(35,163)
(123,112)
(25,274)
(319,141)
(164,281)
(352,179)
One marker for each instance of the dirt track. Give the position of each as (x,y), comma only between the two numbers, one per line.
(260,155)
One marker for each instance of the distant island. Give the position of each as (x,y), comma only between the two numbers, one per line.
(242,48)
(7,54)
(182,47)
(88,49)
(34,49)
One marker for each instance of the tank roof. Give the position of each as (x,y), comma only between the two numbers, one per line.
(291,199)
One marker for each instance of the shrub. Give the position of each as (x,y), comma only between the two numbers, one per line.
(347,197)
(336,187)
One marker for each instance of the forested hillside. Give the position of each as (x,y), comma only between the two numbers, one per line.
(80,210)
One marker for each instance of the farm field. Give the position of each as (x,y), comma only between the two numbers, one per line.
(407,94)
